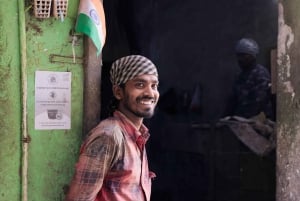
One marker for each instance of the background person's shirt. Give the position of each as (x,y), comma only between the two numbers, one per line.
(252,92)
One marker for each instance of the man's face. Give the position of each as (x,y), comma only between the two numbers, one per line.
(139,97)
(245,61)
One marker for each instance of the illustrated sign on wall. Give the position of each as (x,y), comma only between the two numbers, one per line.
(52,100)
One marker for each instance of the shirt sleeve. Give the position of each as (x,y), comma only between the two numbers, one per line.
(91,168)
(262,88)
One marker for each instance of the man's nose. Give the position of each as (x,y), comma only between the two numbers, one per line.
(149,91)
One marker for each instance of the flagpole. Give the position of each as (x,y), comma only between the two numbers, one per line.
(92,86)
(91,22)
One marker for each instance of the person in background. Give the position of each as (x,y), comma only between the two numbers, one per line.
(113,164)
(252,89)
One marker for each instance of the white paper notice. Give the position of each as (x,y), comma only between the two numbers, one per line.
(52,100)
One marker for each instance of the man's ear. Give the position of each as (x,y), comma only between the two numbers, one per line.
(117,91)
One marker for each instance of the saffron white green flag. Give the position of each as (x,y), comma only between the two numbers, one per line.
(91,21)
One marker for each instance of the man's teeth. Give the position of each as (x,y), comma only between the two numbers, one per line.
(148,102)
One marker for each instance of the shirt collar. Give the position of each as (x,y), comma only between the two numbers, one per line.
(131,129)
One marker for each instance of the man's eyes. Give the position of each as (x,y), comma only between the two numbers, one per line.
(155,86)
(142,85)
(139,84)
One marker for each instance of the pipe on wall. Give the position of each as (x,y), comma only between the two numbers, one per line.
(22,32)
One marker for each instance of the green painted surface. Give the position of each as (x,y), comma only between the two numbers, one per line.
(10,104)
(53,153)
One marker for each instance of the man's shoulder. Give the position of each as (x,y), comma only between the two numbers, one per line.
(261,69)
(109,127)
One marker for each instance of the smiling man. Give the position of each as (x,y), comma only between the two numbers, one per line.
(113,163)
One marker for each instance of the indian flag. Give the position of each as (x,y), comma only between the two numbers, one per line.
(91,21)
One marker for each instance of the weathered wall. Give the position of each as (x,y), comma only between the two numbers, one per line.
(52,154)
(26,44)
(10,103)
(288,139)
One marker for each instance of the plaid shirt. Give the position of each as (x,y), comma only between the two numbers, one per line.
(113,164)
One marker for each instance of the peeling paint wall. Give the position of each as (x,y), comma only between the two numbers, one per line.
(288,103)
(52,154)
(10,106)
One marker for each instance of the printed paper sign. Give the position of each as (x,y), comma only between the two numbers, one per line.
(52,100)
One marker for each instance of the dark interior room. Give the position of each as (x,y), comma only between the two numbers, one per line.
(192,43)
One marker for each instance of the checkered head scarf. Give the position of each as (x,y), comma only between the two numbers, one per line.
(128,67)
